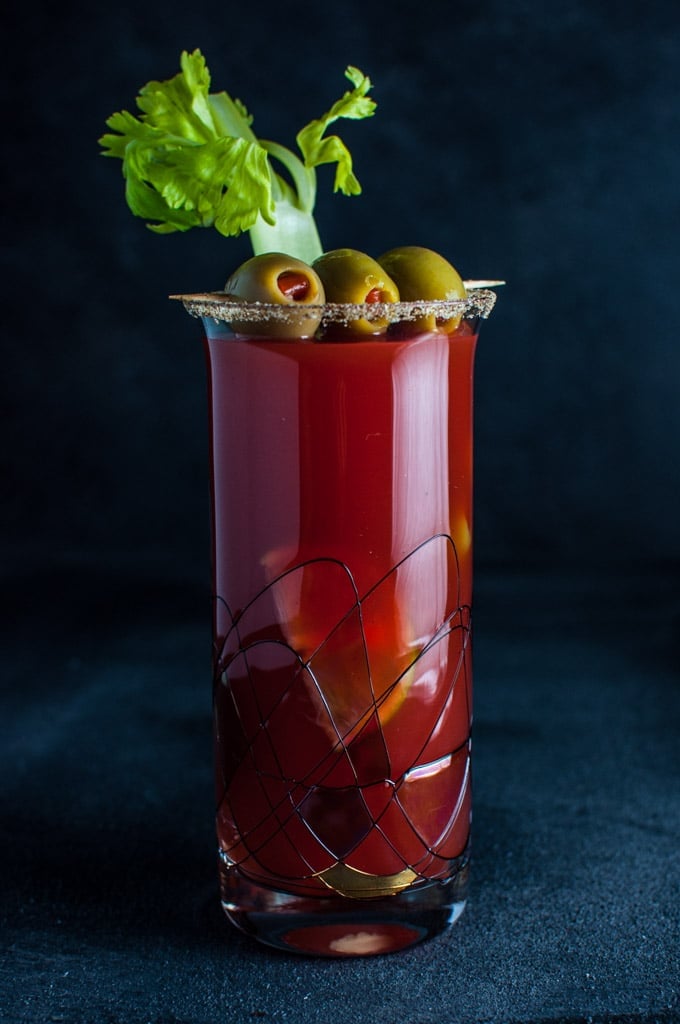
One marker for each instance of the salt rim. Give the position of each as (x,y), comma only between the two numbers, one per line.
(220,307)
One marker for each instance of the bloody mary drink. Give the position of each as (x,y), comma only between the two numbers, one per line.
(340,391)
(341,508)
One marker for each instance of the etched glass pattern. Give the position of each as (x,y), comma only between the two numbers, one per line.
(342,734)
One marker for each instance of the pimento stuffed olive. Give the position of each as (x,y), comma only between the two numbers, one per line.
(352,277)
(278,280)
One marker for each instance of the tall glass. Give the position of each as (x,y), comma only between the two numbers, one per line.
(342,531)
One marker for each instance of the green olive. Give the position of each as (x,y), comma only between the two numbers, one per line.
(352,277)
(423,275)
(279,280)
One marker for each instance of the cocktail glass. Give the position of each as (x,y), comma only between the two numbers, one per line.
(342,557)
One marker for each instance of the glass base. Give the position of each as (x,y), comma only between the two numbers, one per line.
(338,926)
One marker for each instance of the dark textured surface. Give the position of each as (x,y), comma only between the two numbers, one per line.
(107,875)
(531,141)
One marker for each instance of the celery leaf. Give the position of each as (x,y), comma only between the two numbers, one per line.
(191,159)
(317,149)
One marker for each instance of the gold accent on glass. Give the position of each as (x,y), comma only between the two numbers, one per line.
(361,886)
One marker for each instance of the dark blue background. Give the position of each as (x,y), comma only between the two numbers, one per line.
(535,142)
(532,141)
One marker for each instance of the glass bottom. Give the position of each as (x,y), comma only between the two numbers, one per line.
(339,926)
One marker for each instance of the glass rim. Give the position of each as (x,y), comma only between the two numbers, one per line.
(221,307)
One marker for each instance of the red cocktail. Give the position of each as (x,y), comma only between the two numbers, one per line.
(341,419)
(341,484)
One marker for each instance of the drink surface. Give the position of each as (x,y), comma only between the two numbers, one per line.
(342,559)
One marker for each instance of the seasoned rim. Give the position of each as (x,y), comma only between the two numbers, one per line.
(219,306)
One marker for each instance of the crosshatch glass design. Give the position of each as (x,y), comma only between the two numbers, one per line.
(341,497)
(343,759)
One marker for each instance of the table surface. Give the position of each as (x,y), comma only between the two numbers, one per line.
(108,907)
